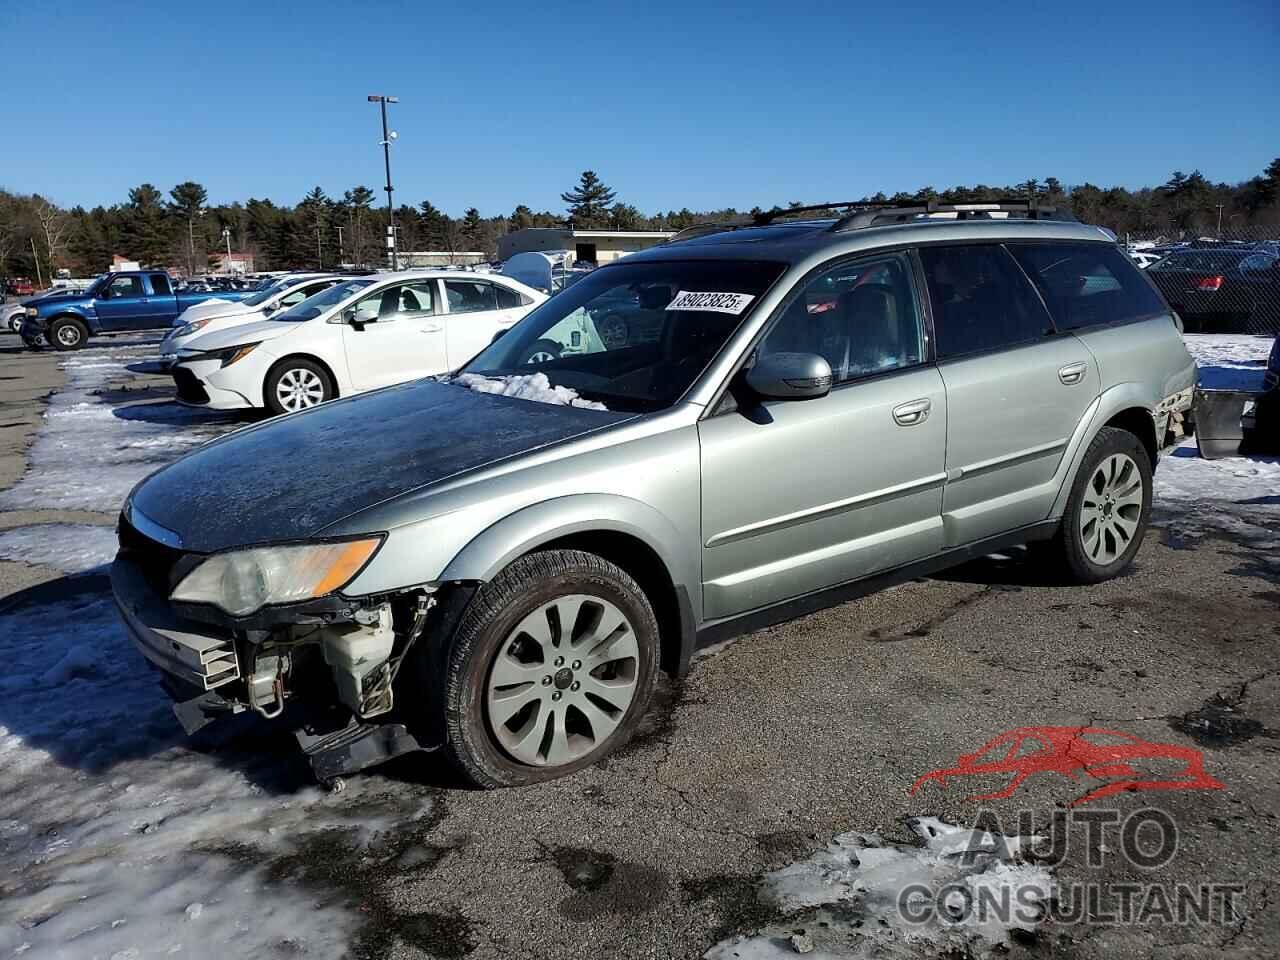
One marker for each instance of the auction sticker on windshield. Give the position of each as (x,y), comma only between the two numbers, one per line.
(733,303)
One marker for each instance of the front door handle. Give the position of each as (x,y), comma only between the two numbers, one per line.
(1073,373)
(435,328)
(910,414)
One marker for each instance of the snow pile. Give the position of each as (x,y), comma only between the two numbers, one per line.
(533,386)
(962,889)
(70,547)
(74,466)
(117,840)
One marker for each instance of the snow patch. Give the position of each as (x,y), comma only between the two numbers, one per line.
(1230,361)
(1239,496)
(858,886)
(70,547)
(533,386)
(117,839)
(73,466)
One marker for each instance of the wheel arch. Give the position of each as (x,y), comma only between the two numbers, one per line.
(303,355)
(68,315)
(1129,406)
(627,532)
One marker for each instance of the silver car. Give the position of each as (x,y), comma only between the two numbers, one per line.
(498,563)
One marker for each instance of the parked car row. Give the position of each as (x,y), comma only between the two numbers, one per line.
(1216,290)
(349,335)
(737,427)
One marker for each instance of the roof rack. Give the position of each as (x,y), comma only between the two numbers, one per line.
(879,213)
(884,214)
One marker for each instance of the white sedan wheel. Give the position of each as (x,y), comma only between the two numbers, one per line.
(299,388)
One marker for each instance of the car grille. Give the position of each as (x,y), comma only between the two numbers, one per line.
(162,566)
(190,389)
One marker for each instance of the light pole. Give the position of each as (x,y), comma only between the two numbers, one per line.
(191,239)
(1219,221)
(387,137)
(226,236)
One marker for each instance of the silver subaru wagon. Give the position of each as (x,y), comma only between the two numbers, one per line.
(732,429)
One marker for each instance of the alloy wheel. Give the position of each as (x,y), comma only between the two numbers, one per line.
(69,335)
(1111,509)
(562,681)
(298,389)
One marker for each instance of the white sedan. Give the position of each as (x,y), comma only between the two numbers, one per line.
(361,334)
(213,315)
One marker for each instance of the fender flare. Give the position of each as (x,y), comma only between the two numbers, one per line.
(1112,401)
(541,523)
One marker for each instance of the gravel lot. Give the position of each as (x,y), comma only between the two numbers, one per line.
(773,746)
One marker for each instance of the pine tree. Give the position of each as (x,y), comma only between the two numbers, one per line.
(188,200)
(588,202)
(147,226)
(473,230)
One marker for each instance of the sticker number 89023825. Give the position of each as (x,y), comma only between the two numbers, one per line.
(733,303)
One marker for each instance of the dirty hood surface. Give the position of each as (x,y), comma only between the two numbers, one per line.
(290,478)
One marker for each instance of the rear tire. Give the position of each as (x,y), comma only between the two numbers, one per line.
(1108,509)
(296,384)
(67,333)
(529,697)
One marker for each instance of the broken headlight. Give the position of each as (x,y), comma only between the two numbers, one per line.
(243,581)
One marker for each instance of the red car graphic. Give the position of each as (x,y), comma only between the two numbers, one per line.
(1072,751)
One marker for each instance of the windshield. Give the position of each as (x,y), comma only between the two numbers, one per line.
(632,336)
(262,296)
(312,307)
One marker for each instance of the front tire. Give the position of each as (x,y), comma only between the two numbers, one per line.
(550,670)
(1108,509)
(67,333)
(296,384)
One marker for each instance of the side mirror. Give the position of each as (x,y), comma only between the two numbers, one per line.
(790,376)
(498,336)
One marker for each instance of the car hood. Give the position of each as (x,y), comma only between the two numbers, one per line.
(205,308)
(291,478)
(248,332)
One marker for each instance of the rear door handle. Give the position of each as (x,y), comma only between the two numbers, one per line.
(910,414)
(1073,373)
(434,328)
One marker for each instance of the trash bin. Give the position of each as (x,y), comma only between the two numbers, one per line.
(1218,429)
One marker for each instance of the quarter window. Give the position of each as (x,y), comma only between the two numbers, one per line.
(981,301)
(508,299)
(470,296)
(160,284)
(861,316)
(1085,284)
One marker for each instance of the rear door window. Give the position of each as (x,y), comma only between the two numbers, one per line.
(470,296)
(160,284)
(981,300)
(1087,284)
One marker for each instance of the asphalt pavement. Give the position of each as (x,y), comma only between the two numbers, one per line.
(783,739)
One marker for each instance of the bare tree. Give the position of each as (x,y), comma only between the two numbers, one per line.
(54,224)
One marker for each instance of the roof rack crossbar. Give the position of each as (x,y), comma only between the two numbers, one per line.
(768,216)
(706,229)
(891,213)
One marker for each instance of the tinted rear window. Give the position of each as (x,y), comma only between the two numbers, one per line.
(1086,284)
(981,301)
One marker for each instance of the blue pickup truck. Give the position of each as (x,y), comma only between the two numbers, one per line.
(117,302)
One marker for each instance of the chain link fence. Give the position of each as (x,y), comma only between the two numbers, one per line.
(1217,284)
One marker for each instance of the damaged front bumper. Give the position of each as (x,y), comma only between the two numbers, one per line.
(326,672)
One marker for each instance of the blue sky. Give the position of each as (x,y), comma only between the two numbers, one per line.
(673,104)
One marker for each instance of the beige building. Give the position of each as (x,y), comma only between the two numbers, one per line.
(593,246)
(441,258)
